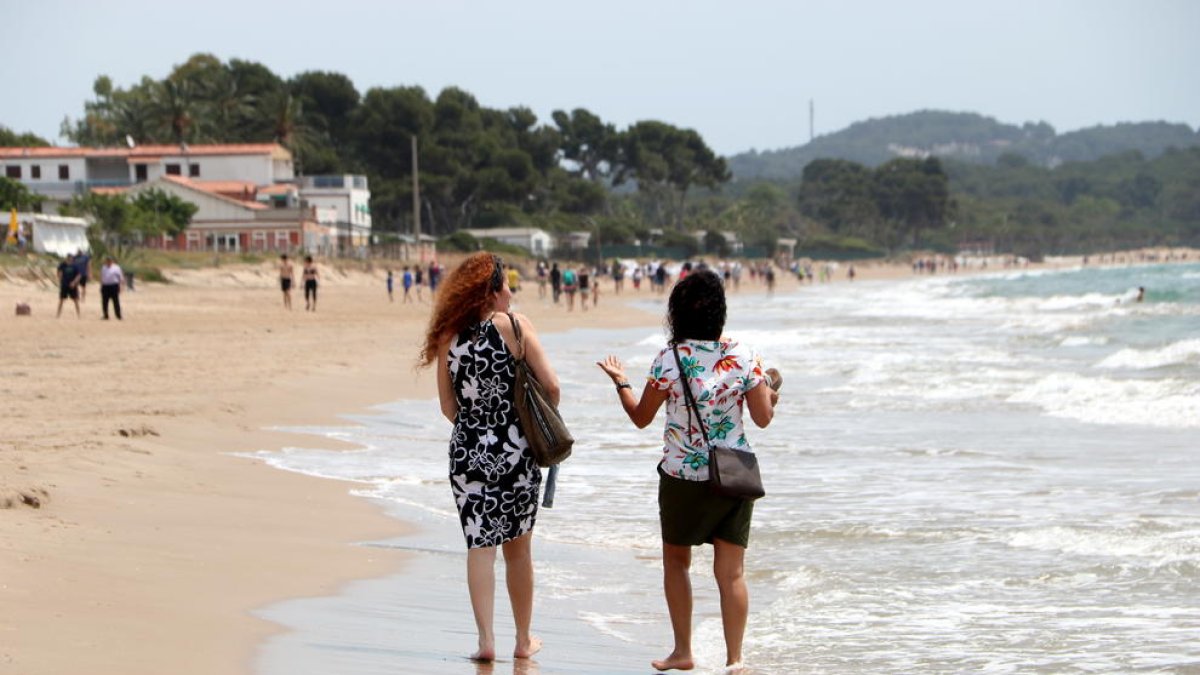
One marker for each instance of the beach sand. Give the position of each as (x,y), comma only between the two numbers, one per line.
(131,539)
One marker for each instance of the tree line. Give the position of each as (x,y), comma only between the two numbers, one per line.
(478,166)
(650,182)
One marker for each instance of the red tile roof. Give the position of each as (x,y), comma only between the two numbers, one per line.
(238,189)
(199,187)
(151,152)
(277,189)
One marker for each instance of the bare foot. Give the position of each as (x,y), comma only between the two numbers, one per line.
(674,661)
(735,668)
(524,651)
(484,655)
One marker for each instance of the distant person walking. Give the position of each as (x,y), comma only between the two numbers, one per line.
(407,281)
(68,284)
(514,279)
(390,286)
(83,263)
(542,274)
(286,271)
(555,282)
(310,284)
(110,287)
(585,287)
(569,285)
(418,281)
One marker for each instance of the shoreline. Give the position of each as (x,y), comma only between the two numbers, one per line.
(152,540)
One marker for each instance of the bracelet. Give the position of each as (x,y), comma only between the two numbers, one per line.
(623,385)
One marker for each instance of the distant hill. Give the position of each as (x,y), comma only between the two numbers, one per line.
(962,136)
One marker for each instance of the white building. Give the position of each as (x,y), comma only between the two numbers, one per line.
(58,174)
(533,239)
(349,196)
(238,188)
(224,223)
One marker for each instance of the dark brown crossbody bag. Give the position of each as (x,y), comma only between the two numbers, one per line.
(547,434)
(731,472)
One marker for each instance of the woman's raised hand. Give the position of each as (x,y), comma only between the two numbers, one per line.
(613,367)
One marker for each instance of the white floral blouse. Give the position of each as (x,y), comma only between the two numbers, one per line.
(720,374)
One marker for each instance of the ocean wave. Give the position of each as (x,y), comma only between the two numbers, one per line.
(1058,303)
(1163,548)
(1184,351)
(1080,341)
(1097,400)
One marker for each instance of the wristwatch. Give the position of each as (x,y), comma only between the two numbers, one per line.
(623,385)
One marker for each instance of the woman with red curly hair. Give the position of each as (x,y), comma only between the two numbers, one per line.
(493,475)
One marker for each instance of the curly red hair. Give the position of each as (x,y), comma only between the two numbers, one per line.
(462,300)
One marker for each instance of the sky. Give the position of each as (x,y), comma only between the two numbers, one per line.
(741,73)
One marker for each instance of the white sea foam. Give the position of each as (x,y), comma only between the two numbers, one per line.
(1080,341)
(1161,403)
(1184,351)
(1163,548)
(1059,303)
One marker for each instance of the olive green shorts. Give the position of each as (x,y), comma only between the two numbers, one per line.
(691,515)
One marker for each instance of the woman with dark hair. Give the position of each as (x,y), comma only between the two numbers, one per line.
(493,475)
(725,377)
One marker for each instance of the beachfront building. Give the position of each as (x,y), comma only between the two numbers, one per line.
(59,174)
(349,197)
(226,223)
(537,241)
(578,240)
(248,194)
(732,243)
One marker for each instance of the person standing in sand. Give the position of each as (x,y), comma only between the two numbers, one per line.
(286,272)
(585,286)
(110,287)
(407,282)
(68,284)
(83,263)
(310,284)
(493,476)
(725,377)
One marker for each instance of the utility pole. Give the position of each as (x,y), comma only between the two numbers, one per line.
(416,196)
(811,114)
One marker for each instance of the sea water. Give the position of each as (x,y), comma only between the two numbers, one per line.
(993,474)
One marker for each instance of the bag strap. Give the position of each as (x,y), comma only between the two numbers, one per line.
(520,338)
(690,400)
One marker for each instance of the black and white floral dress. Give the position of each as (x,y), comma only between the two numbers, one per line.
(492,472)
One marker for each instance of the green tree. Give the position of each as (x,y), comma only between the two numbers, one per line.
(591,145)
(11,139)
(666,162)
(14,195)
(839,194)
(163,213)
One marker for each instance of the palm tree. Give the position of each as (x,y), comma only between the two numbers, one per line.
(176,110)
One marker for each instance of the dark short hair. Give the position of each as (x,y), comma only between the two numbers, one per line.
(696,309)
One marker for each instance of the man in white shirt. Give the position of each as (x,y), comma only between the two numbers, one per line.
(110,286)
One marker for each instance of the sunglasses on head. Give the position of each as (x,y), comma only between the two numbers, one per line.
(497,274)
